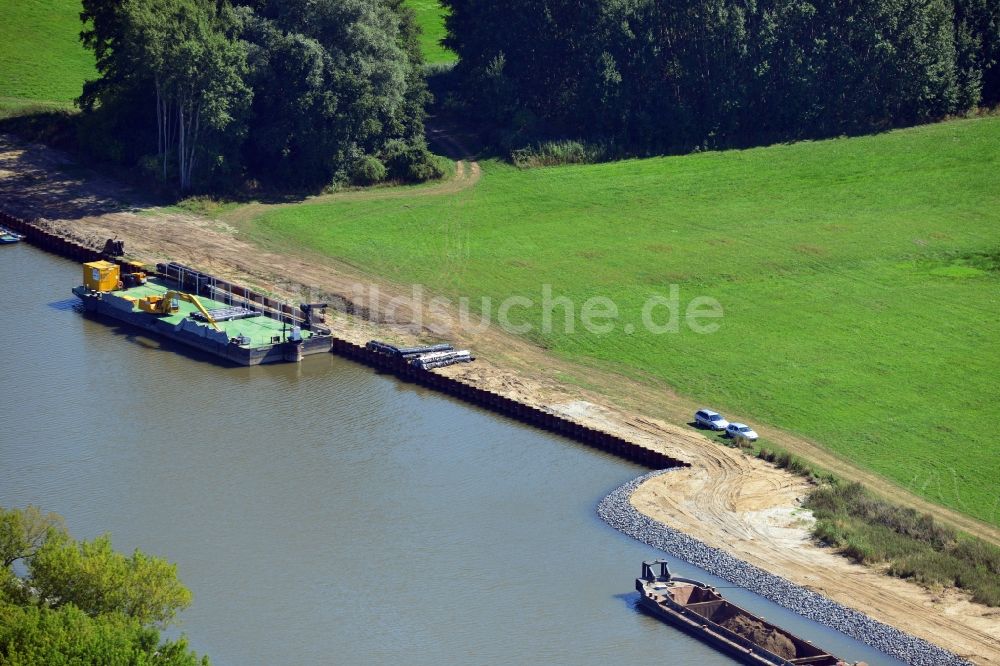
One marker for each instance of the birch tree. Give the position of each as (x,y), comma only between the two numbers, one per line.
(184,53)
(292,93)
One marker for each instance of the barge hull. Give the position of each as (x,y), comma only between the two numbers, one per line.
(702,612)
(239,355)
(692,628)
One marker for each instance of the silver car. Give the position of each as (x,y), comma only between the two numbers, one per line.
(706,418)
(741,430)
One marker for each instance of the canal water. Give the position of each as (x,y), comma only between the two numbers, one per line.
(322,513)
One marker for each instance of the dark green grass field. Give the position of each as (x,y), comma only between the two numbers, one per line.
(860,280)
(430,17)
(42,62)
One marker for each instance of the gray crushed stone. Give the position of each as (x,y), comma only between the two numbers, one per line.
(618,512)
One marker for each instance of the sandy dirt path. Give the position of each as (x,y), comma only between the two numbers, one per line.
(753,510)
(467,174)
(725,499)
(758,521)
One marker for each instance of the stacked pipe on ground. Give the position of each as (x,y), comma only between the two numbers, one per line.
(441,359)
(406,352)
(427,357)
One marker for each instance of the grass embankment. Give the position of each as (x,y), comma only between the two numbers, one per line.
(903,542)
(42,61)
(860,280)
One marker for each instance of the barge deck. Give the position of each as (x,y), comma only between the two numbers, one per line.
(701,611)
(243,338)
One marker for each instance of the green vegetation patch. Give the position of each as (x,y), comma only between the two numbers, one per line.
(42,60)
(822,255)
(64,601)
(912,545)
(430,17)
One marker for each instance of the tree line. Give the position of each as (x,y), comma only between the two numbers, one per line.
(64,601)
(652,76)
(281,93)
(208,94)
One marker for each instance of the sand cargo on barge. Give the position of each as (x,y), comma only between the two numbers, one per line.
(235,333)
(701,611)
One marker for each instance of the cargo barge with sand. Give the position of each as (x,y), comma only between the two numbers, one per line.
(701,611)
(230,330)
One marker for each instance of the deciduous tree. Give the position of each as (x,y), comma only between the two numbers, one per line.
(81,602)
(666,75)
(291,93)
(97,580)
(182,58)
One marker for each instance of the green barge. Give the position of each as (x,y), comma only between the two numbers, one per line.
(235,333)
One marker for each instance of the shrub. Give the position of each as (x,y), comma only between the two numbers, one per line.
(368,170)
(554,153)
(859,550)
(854,500)
(786,460)
(986,591)
(428,168)
(150,167)
(411,163)
(432,69)
(829,532)
(870,530)
(983,555)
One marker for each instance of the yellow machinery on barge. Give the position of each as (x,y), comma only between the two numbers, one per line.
(232,330)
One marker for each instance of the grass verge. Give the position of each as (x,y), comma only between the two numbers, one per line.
(902,542)
(908,544)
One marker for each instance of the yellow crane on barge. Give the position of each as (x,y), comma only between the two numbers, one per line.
(167,305)
(104,276)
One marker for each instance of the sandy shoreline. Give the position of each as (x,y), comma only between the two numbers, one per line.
(726,499)
(765,530)
(618,510)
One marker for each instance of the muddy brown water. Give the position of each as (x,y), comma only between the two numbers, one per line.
(322,513)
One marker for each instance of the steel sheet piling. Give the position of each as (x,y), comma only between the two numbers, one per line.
(373,357)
